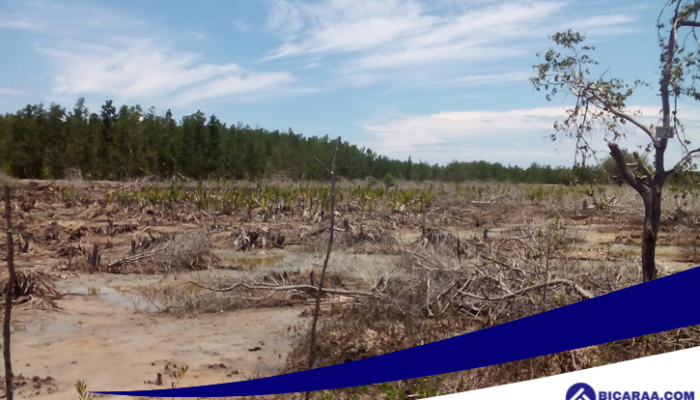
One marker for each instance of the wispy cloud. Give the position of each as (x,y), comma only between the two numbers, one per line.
(67,20)
(395,38)
(130,71)
(487,79)
(15,21)
(92,50)
(344,25)
(256,84)
(440,132)
(513,136)
(5,91)
(142,70)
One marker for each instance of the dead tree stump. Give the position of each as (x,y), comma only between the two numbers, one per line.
(94,258)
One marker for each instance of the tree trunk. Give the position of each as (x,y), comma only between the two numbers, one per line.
(9,290)
(652,219)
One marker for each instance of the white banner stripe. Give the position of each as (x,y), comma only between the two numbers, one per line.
(671,376)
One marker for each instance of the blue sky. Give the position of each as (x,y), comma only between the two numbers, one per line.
(439,80)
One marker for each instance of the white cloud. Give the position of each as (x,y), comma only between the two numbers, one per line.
(142,70)
(394,39)
(412,133)
(514,136)
(488,79)
(343,25)
(601,22)
(5,91)
(254,83)
(139,69)
(14,21)
(55,18)
(94,51)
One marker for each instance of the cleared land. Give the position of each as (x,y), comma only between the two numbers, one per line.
(219,276)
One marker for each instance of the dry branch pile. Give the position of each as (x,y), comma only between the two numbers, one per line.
(185,251)
(31,286)
(257,238)
(352,235)
(150,254)
(437,294)
(244,290)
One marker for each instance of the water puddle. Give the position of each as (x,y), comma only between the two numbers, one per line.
(118,295)
(237,259)
(257,262)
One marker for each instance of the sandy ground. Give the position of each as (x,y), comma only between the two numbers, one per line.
(99,338)
(112,340)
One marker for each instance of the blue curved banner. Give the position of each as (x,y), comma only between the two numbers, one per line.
(660,305)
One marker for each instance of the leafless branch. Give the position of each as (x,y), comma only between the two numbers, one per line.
(134,259)
(312,341)
(583,292)
(608,107)
(275,288)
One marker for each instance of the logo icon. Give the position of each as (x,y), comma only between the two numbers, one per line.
(580,391)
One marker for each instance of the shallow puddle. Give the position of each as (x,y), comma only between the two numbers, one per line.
(118,295)
(257,262)
(238,259)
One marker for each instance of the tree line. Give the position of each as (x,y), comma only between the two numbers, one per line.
(46,143)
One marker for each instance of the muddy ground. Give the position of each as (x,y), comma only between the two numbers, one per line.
(102,329)
(97,337)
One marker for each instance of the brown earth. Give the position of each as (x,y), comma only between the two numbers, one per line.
(98,337)
(102,331)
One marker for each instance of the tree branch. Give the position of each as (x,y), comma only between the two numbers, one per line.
(583,292)
(683,160)
(608,107)
(625,170)
(667,69)
(274,288)
(694,24)
(642,165)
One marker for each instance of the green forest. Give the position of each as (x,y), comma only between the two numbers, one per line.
(46,143)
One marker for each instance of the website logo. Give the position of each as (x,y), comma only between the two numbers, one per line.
(580,391)
(583,391)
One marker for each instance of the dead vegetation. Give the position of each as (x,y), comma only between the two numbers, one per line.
(466,258)
(27,285)
(245,239)
(440,295)
(164,253)
(362,238)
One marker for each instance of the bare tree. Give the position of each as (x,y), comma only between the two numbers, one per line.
(601,106)
(319,292)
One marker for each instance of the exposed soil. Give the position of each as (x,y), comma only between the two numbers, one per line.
(97,336)
(102,331)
